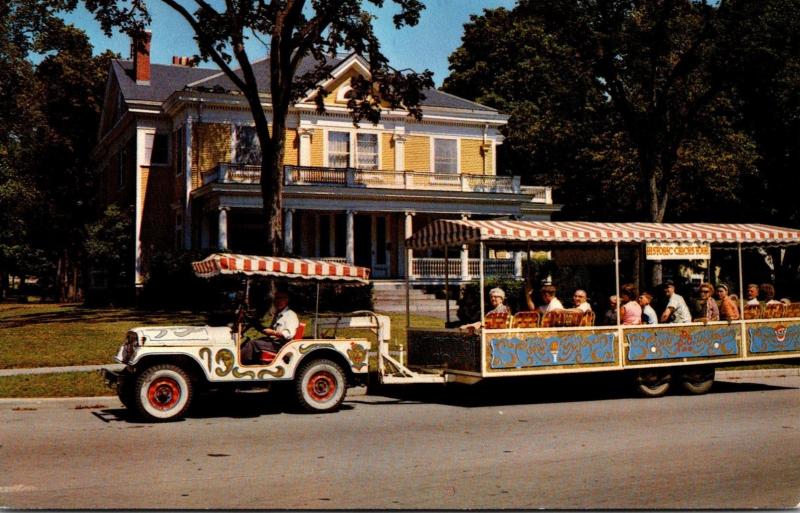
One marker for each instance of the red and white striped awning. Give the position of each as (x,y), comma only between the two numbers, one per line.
(447,232)
(228,263)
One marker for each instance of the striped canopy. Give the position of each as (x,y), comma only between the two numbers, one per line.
(446,232)
(228,263)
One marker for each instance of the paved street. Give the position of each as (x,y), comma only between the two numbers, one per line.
(520,444)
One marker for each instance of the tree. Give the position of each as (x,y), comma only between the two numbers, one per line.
(623,98)
(48,121)
(295,30)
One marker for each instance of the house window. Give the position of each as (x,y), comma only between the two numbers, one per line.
(156,148)
(180,151)
(338,149)
(247,149)
(445,156)
(367,151)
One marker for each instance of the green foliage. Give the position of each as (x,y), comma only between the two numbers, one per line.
(48,120)
(109,249)
(171,284)
(299,36)
(631,107)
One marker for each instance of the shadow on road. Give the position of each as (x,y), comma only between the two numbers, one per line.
(218,405)
(536,390)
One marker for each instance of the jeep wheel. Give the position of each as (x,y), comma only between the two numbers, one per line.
(320,386)
(163,392)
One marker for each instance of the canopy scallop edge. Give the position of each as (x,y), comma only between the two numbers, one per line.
(295,268)
(449,232)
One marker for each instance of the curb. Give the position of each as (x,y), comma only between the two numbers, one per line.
(758,373)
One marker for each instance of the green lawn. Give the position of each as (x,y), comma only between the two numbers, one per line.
(51,335)
(48,335)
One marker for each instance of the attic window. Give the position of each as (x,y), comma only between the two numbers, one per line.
(344,93)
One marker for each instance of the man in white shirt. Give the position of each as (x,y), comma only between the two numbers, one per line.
(579,298)
(752,295)
(550,302)
(677,310)
(281,330)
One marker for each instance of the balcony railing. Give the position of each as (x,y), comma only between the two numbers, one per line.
(381,179)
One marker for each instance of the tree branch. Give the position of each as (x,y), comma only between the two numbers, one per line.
(204,44)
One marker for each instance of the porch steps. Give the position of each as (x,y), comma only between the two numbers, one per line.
(390,296)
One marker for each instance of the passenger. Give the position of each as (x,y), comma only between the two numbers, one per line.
(649,315)
(768,293)
(610,318)
(281,329)
(630,311)
(752,295)
(550,302)
(497,299)
(579,298)
(709,310)
(676,310)
(728,309)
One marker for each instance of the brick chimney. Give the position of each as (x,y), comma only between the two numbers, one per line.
(140,54)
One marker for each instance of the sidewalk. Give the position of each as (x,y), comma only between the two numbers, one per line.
(721,374)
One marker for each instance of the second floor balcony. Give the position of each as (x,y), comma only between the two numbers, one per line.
(226,172)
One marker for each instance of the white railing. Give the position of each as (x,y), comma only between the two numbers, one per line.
(226,172)
(433,268)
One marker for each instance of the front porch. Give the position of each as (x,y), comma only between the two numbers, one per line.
(363,217)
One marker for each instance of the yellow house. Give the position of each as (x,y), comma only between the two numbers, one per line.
(178,144)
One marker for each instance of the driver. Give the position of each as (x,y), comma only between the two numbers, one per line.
(281,330)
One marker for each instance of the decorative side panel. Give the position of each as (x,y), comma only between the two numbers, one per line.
(516,351)
(666,343)
(774,337)
(444,349)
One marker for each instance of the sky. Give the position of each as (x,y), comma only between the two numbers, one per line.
(427,45)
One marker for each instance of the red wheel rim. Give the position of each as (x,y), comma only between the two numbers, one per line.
(163,393)
(321,386)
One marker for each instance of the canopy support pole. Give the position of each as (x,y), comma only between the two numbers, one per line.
(447,283)
(741,302)
(316,313)
(480,292)
(616,278)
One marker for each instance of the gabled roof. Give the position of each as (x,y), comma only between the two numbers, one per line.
(166,79)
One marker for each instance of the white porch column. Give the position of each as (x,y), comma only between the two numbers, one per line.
(350,248)
(399,139)
(222,237)
(518,264)
(305,145)
(288,239)
(465,276)
(409,230)
(465,263)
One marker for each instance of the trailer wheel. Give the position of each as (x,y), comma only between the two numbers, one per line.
(697,380)
(320,386)
(653,382)
(162,393)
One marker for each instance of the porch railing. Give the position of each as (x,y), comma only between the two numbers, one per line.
(434,268)
(226,172)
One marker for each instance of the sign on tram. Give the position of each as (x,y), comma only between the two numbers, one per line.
(678,251)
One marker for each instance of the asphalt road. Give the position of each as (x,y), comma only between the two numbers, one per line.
(521,444)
